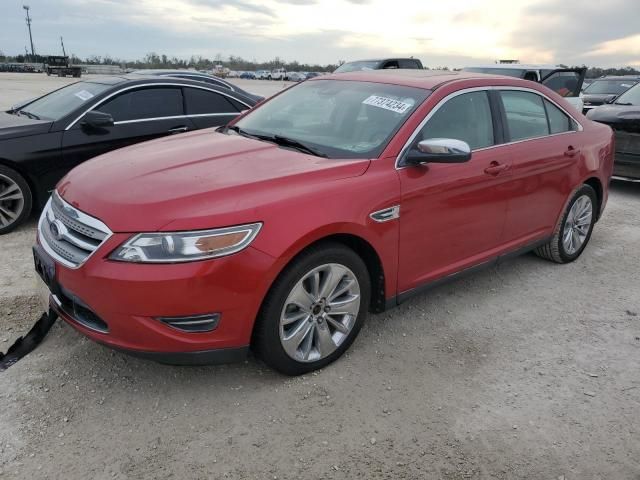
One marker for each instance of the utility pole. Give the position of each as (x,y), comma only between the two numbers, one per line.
(64,54)
(33,53)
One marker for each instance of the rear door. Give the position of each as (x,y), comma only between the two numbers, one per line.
(544,148)
(206,108)
(566,82)
(139,114)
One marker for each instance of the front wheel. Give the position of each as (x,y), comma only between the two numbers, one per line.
(571,236)
(314,310)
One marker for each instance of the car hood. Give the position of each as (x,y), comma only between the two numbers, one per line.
(615,113)
(597,99)
(197,180)
(13,126)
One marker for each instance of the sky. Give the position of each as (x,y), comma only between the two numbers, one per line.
(452,33)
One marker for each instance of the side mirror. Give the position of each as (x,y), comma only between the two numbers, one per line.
(439,150)
(97,119)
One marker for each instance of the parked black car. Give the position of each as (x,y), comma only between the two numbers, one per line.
(606,89)
(200,77)
(623,116)
(379,64)
(42,140)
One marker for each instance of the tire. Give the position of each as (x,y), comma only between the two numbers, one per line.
(13,210)
(557,250)
(272,331)
(269,77)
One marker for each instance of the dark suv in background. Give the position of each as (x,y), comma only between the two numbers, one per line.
(606,90)
(380,64)
(623,116)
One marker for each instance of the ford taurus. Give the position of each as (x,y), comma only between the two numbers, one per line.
(343,195)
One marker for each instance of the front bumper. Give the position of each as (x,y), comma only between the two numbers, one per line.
(118,304)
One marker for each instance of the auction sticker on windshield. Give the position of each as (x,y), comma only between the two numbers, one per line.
(84,95)
(387,103)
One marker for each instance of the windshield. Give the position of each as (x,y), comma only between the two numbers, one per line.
(610,87)
(357,66)
(60,103)
(508,72)
(630,97)
(340,119)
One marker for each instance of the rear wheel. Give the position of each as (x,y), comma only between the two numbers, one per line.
(314,310)
(15,199)
(574,231)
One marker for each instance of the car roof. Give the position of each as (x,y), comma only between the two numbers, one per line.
(134,79)
(156,71)
(382,59)
(617,77)
(518,66)
(426,79)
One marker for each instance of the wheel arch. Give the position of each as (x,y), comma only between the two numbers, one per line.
(27,178)
(596,184)
(360,245)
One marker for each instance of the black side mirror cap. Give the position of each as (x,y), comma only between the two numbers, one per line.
(97,119)
(438,150)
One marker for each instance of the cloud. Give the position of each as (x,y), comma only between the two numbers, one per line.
(574,31)
(455,33)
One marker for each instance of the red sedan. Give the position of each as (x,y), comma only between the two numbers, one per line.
(343,195)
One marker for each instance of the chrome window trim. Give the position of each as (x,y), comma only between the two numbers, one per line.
(156,84)
(439,105)
(153,119)
(81,217)
(202,78)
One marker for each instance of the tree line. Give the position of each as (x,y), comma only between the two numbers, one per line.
(234,62)
(198,62)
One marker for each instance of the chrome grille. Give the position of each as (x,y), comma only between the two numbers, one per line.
(69,235)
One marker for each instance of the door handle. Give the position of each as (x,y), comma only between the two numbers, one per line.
(496,168)
(178,130)
(571,152)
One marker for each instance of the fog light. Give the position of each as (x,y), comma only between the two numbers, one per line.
(193,323)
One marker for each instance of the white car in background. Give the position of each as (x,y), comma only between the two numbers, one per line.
(262,74)
(278,74)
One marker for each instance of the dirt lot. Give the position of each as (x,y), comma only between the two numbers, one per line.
(530,370)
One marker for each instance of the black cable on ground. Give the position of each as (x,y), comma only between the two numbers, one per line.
(25,345)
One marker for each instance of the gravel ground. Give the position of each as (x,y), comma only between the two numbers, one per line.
(529,370)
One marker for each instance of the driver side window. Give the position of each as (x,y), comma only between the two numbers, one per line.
(466,117)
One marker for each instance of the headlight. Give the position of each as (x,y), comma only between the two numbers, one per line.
(186,246)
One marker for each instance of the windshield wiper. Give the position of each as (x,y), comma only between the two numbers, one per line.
(627,104)
(297,144)
(236,129)
(32,116)
(277,139)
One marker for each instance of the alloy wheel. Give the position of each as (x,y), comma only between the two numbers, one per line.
(320,312)
(577,225)
(11,201)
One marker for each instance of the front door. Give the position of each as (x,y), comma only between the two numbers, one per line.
(452,215)
(139,115)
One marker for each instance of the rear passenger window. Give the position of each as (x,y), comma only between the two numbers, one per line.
(204,101)
(526,116)
(558,120)
(408,63)
(466,117)
(145,103)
